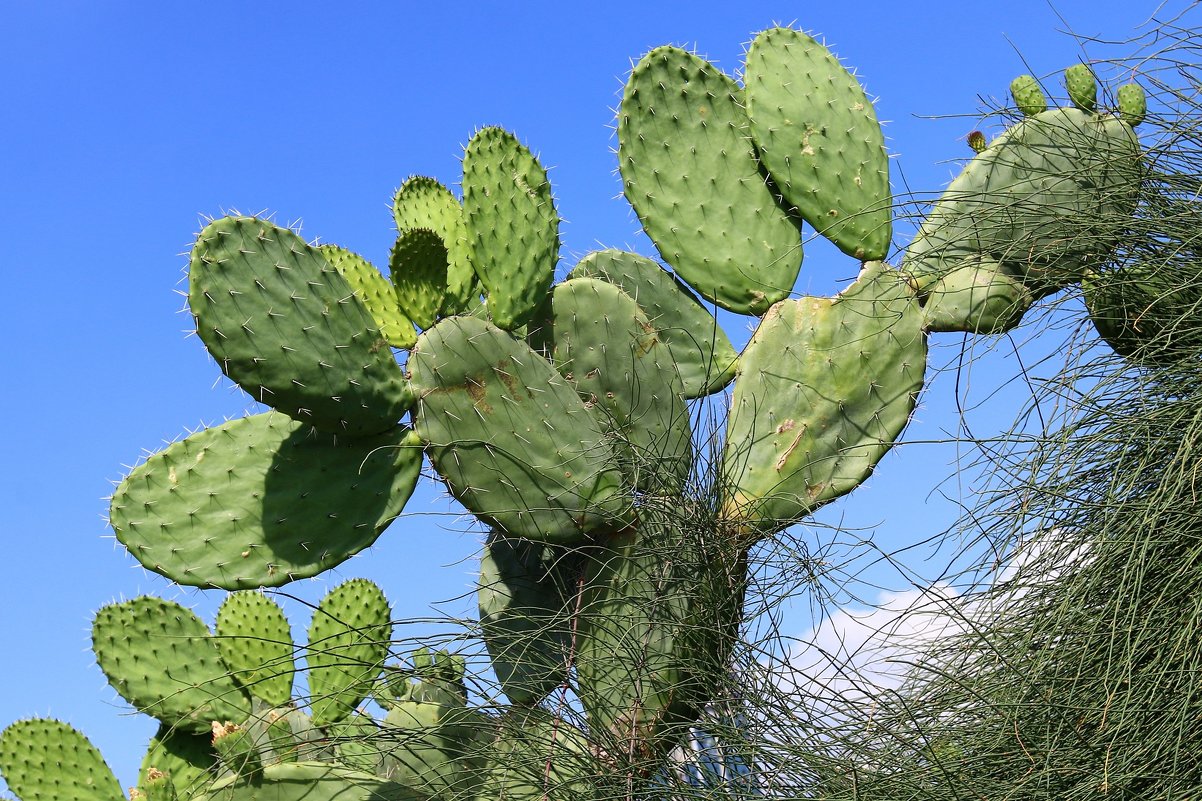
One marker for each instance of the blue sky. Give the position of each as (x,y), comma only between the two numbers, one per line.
(124,122)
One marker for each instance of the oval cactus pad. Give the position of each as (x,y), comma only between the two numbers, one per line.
(285,325)
(510,436)
(45,760)
(690,170)
(819,139)
(823,389)
(260,501)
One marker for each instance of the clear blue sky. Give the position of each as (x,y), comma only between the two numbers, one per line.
(124,121)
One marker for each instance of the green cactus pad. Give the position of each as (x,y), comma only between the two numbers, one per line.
(1082,86)
(45,760)
(978,298)
(310,781)
(513,228)
(605,347)
(690,171)
(376,294)
(423,202)
(188,758)
(704,357)
(536,757)
(1028,96)
(288,328)
(256,641)
(261,501)
(1147,312)
(511,437)
(819,138)
(1133,104)
(659,613)
(418,265)
(159,657)
(348,641)
(1046,199)
(525,598)
(824,387)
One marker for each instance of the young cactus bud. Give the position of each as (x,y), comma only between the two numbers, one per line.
(1082,86)
(157,786)
(976,140)
(1028,96)
(1133,104)
(236,749)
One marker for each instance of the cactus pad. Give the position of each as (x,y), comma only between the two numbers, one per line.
(704,357)
(261,501)
(159,657)
(187,758)
(309,781)
(513,228)
(819,138)
(288,328)
(418,265)
(980,298)
(423,202)
(376,294)
(45,760)
(690,171)
(256,642)
(824,387)
(525,597)
(606,347)
(348,640)
(510,436)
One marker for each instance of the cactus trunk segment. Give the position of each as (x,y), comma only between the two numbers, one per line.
(310,781)
(375,293)
(824,387)
(819,139)
(659,613)
(513,228)
(256,641)
(1044,201)
(606,347)
(423,202)
(45,760)
(261,501)
(186,758)
(513,441)
(288,328)
(690,171)
(701,351)
(160,658)
(348,641)
(525,595)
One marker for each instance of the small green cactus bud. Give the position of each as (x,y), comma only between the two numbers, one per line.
(158,786)
(1133,104)
(1082,87)
(136,795)
(1028,96)
(236,749)
(976,140)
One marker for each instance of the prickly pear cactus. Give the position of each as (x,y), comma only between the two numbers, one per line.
(614,575)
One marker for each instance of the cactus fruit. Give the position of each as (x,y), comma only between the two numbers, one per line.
(1133,104)
(690,171)
(1028,96)
(1082,86)
(819,139)
(260,501)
